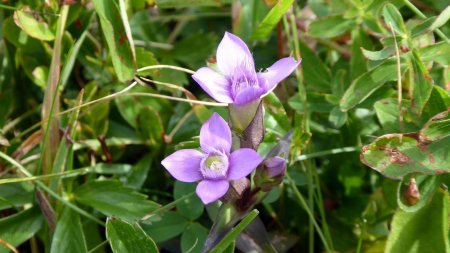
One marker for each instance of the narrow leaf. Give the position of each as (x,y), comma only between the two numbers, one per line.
(369,82)
(271,20)
(69,236)
(116,36)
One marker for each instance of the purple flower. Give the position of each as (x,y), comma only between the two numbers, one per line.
(238,82)
(214,166)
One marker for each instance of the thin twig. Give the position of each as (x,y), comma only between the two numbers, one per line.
(9,246)
(166,67)
(399,82)
(179,124)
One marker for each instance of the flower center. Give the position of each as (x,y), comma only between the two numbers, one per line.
(215,166)
(244,76)
(240,84)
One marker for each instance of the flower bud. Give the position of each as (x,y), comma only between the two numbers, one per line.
(270,173)
(412,193)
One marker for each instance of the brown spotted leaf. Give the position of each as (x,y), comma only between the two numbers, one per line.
(426,152)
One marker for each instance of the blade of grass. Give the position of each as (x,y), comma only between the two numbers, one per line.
(51,99)
(303,203)
(65,144)
(234,233)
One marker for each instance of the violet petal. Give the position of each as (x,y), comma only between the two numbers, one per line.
(248,95)
(242,162)
(213,83)
(211,190)
(215,135)
(277,72)
(184,165)
(234,57)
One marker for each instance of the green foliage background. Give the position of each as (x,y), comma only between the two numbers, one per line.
(84,126)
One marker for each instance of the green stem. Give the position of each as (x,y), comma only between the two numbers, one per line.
(308,211)
(169,206)
(420,14)
(98,246)
(327,152)
(7,7)
(55,175)
(49,191)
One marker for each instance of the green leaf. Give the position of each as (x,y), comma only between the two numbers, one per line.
(128,238)
(423,231)
(362,87)
(378,55)
(165,226)
(272,18)
(274,108)
(248,16)
(131,107)
(146,58)
(387,114)
(316,103)
(393,17)
(358,64)
(191,207)
(426,152)
(19,37)
(119,42)
(68,236)
(35,28)
(441,19)
(193,238)
(316,74)
(436,52)
(422,84)
(18,228)
(190,3)
(337,117)
(149,126)
(112,198)
(437,128)
(136,177)
(15,195)
(330,27)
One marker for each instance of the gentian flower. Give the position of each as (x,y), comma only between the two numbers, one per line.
(238,82)
(214,166)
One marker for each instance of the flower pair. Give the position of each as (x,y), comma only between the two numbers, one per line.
(215,165)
